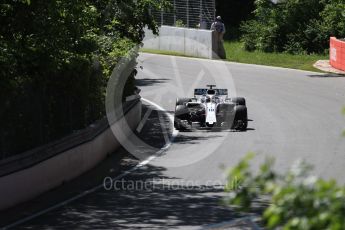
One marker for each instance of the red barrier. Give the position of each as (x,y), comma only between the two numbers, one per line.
(337,53)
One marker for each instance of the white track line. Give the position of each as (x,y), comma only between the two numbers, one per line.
(171,117)
(87,192)
(143,121)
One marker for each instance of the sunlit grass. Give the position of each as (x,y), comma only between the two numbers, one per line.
(236,53)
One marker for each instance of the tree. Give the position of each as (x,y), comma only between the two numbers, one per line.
(302,26)
(56,57)
(233,12)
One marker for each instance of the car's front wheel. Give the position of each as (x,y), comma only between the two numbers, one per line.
(181,114)
(241,118)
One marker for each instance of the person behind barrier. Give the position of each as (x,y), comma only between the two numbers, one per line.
(219,26)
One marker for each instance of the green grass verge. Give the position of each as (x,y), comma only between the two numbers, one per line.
(236,53)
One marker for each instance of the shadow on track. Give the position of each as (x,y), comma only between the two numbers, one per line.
(150,82)
(146,198)
(166,204)
(327,75)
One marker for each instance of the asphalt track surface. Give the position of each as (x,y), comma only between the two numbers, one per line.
(293,115)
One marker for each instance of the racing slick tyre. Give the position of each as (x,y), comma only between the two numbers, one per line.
(239,100)
(181,113)
(241,118)
(182,101)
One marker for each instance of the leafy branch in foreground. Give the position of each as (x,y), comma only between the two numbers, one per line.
(298,200)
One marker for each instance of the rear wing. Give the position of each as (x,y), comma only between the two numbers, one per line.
(220,92)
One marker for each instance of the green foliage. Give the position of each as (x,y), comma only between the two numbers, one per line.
(333,18)
(236,53)
(297,199)
(179,23)
(56,58)
(233,12)
(250,185)
(302,26)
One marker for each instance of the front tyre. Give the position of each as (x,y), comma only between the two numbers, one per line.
(177,124)
(181,114)
(241,118)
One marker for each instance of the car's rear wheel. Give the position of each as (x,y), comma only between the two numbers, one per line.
(239,100)
(182,101)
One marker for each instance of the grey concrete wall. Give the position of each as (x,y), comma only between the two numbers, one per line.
(192,42)
(28,183)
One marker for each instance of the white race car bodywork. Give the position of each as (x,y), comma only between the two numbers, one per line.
(210,108)
(211,117)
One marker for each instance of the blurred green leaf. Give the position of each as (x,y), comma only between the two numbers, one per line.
(297,199)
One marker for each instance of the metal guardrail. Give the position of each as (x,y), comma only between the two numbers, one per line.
(191,13)
(42,153)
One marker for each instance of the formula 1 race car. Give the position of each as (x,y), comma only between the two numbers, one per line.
(211,108)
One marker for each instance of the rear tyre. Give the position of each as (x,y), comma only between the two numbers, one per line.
(182,101)
(239,101)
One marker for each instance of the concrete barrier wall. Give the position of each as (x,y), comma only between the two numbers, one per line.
(337,53)
(26,184)
(191,42)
